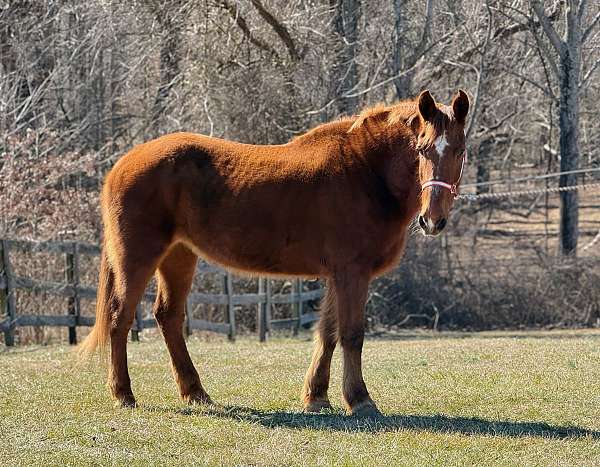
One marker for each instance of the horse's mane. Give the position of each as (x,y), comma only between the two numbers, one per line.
(326,130)
(404,113)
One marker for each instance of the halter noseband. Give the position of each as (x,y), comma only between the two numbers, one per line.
(452,187)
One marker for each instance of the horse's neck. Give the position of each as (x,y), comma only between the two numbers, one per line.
(390,153)
(400,164)
(389,144)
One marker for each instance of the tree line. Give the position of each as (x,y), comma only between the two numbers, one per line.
(81,82)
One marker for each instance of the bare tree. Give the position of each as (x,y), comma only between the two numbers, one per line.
(82,82)
(567,67)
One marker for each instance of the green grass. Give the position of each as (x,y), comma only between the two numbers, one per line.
(478,399)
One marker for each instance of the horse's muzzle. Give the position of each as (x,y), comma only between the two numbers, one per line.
(431,227)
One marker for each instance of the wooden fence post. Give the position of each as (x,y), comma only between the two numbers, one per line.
(72,278)
(297,288)
(228,285)
(301,302)
(261,314)
(8,295)
(268,304)
(187,327)
(137,324)
(3,297)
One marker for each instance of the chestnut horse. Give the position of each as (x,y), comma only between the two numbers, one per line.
(333,203)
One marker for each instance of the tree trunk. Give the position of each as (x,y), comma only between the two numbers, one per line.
(345,72)
(484,155)
(569,148)
(169,19)
(570,68)
(403,61)
(403,84)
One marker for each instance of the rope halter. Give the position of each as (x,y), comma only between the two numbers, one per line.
(452,187)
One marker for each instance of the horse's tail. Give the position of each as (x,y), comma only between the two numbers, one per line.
(98,338)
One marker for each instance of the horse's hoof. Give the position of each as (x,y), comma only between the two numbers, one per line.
(366,409)
(317,406)
(125,402)
(198,398)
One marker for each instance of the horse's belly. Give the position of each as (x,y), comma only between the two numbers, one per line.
(259,251)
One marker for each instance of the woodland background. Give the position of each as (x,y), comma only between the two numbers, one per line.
(81,82)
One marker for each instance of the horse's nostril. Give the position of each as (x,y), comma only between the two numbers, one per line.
(440,224)
(422,222)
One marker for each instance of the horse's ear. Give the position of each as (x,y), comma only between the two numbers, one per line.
(427,107)
(460,106)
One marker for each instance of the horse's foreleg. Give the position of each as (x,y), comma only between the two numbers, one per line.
(316,381)
(351,291)
(174,276)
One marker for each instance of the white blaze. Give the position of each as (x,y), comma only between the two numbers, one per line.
(440,144)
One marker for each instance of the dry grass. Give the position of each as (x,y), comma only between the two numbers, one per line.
(479,399)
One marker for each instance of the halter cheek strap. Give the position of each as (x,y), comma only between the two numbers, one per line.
(452,187)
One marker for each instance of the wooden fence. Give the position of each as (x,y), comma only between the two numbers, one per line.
(11,318)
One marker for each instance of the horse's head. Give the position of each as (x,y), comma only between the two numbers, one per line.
(441,145)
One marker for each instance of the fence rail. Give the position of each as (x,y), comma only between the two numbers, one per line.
(72,289)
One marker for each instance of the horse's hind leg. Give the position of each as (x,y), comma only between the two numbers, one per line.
(316,381)
(174,278)
(131,275)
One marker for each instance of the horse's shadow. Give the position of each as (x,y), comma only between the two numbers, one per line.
(337,421)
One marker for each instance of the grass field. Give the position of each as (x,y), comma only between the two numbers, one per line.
(492,398)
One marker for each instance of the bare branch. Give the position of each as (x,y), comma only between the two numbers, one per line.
(243,25)
(589,74)
(544,53)
(506,32)
(547,92)
(590,28)
(209,118)
(403,72)
(279,29)
(385,81)
(551,33)
(502,33)
(581,10)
